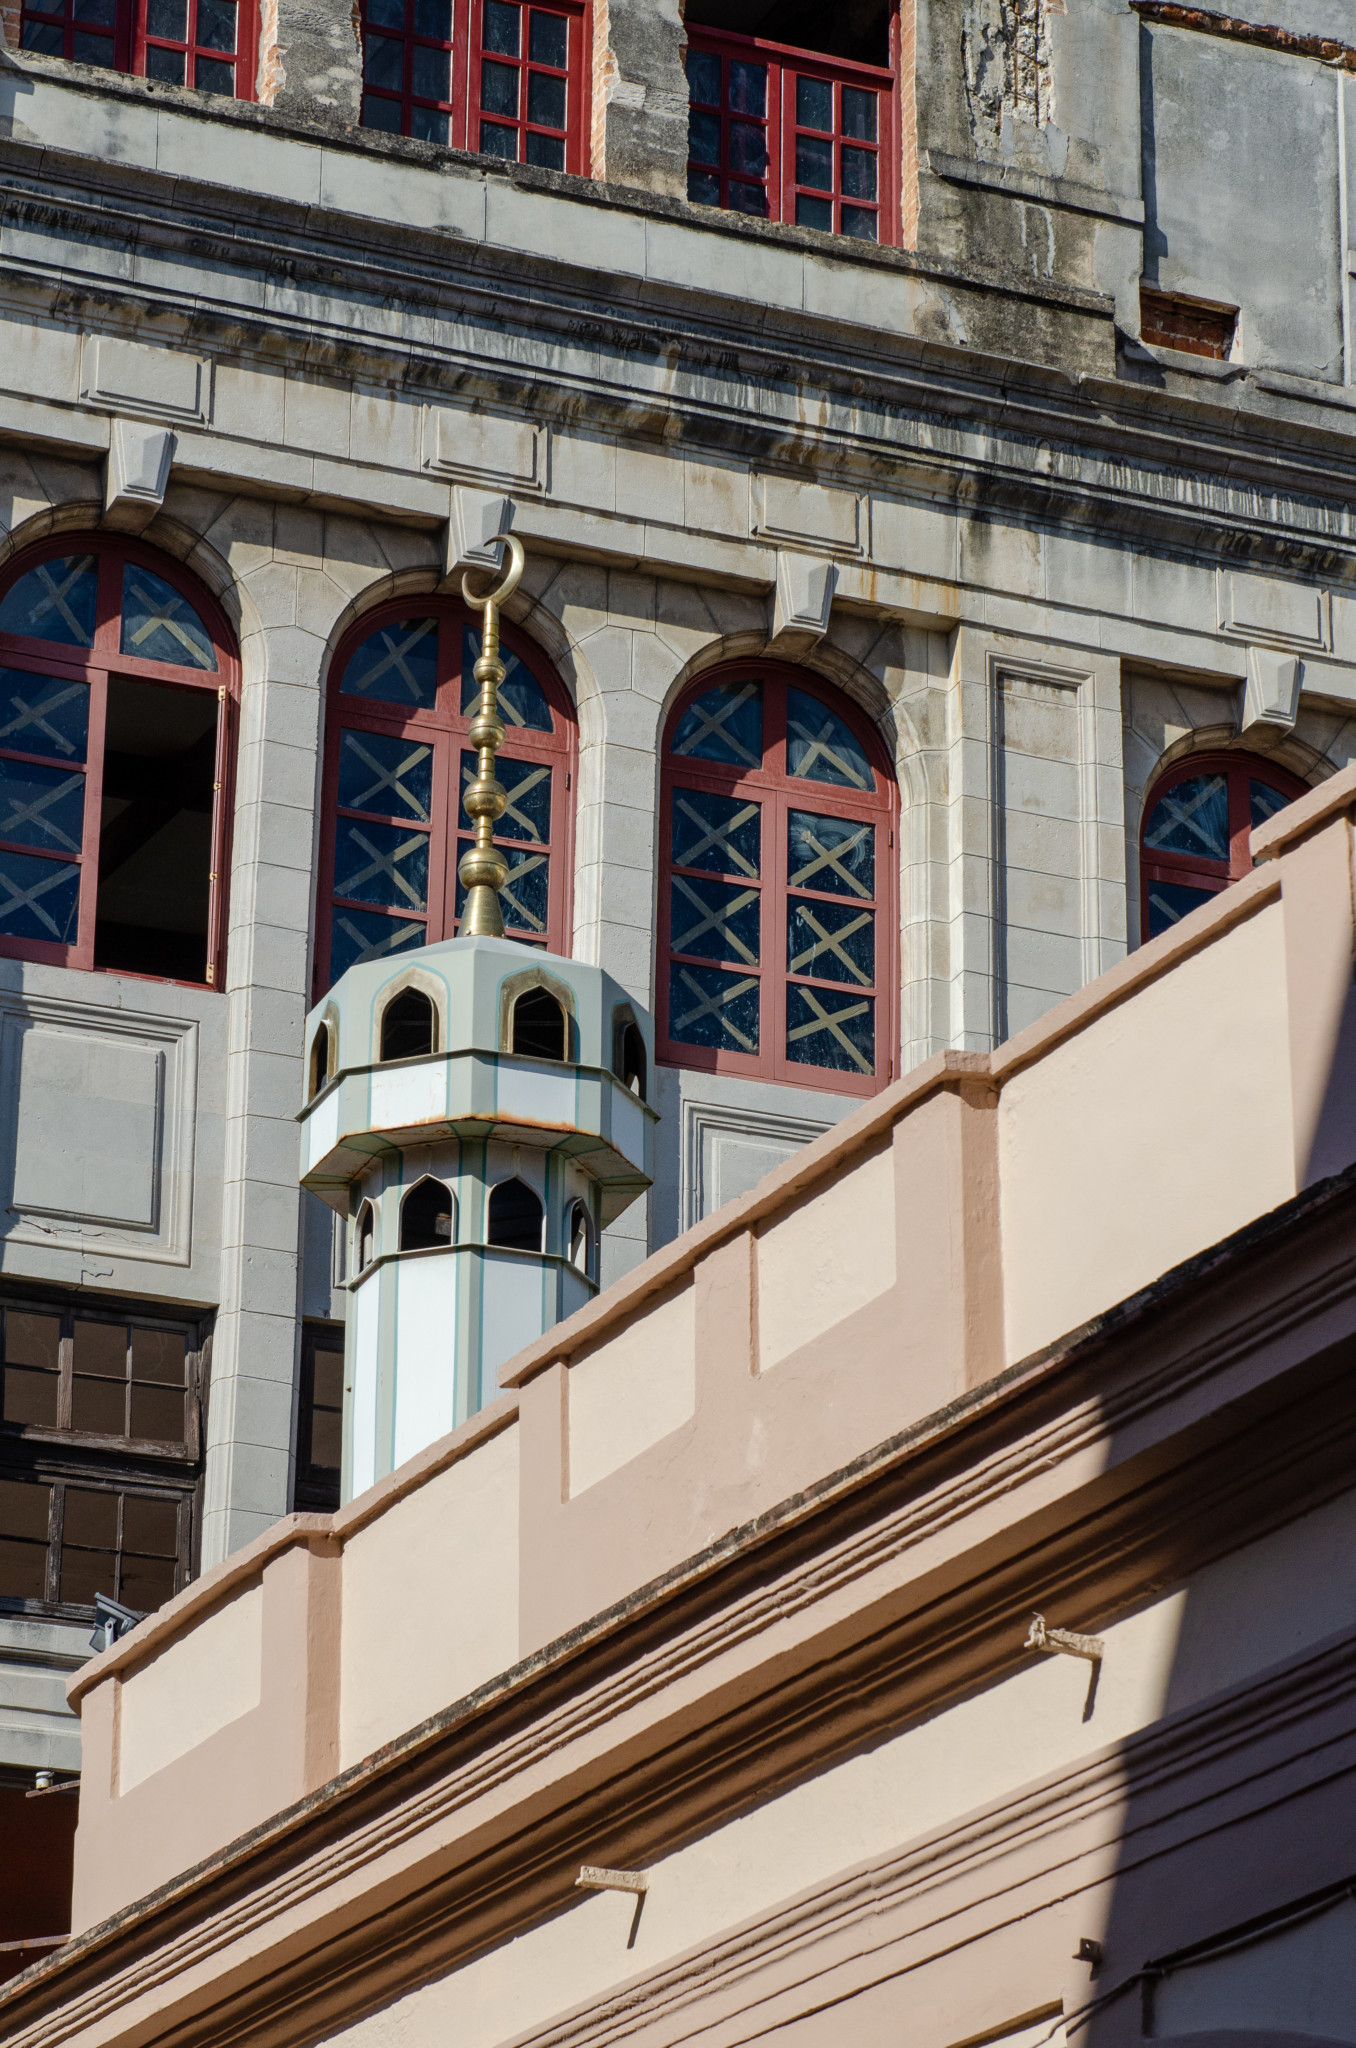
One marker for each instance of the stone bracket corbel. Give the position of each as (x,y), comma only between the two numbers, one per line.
(136,474)
(1271,693)
(804,599)
(1057,1642)
(476,521)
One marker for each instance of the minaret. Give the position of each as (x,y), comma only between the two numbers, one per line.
(477,1113)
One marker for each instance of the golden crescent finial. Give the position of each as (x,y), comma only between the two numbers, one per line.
(496,594)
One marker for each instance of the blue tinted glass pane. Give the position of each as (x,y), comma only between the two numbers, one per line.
(834,854)
(55,601)
(703,188)
(825,1029)
(708,1007)
(527,785)
(159,625)
(522,700)
(398,663)
(814,213)
(748,149)
(526,895)
(714,920)
(814,103)
(724,724)
(748,87)
(43,715)
(502,26)
(1264,802)
(820,748)
(814,163)
(381,864)
(859,114)
(357,935)
(39,899)
(1170,901)
(722,834)
(42,806)
(832,941)
(393,777)
(703,137)
(1191,818)
(703,77)
(859,173)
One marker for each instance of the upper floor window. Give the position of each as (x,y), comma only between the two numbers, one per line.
(777,902)
(117,685)
(788,135)
(205,44)
(505,78)
(1197,822)
(402,695)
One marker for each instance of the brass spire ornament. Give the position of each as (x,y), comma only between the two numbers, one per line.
(483,869)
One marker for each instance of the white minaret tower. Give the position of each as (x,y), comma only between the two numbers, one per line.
(477,1112)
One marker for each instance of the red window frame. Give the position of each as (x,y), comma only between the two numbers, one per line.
(781,191)
(444,728)
(477,68)
(779,793)
(137,37)
(1197,871)
(94,666)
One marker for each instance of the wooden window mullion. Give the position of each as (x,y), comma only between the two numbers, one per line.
(56,1517)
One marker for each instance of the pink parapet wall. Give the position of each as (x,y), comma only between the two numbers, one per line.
(932,1257)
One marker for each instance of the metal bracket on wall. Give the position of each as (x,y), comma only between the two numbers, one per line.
(1062,1641)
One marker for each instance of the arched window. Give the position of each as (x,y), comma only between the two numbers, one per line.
(1194,840)
(408,1026)
(777,902)
(207,45)
(540,1026)
(427,1217)
(366,1234)
(516,1217)
(401,697)
(117,687)
(320,1059)
(628,1053)
(579,1239)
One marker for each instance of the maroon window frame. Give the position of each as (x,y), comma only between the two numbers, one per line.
(94,667)
(502,78)
(787,135)
(1197,822)
(409,829)
(773,923)
(208,45)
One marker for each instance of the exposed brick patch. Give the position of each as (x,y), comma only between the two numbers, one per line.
(605,75)
(908,122)
(271,75)
(1233,28)
(9,24)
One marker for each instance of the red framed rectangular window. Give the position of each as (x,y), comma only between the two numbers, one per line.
(502,78)
(207,45)
(787,135)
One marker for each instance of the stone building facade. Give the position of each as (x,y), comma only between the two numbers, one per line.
(984,396)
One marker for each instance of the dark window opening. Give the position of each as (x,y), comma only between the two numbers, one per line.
(155,830)
(366,1230)
(628,1056)
(540,1031)
(103,1377)
(515,1217)
(320,1059)
(407,1026)
(1192,325)
(426,1217)
(320,1419)
(36,1873)
(63,1542)
(858,30)
(580,1235)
